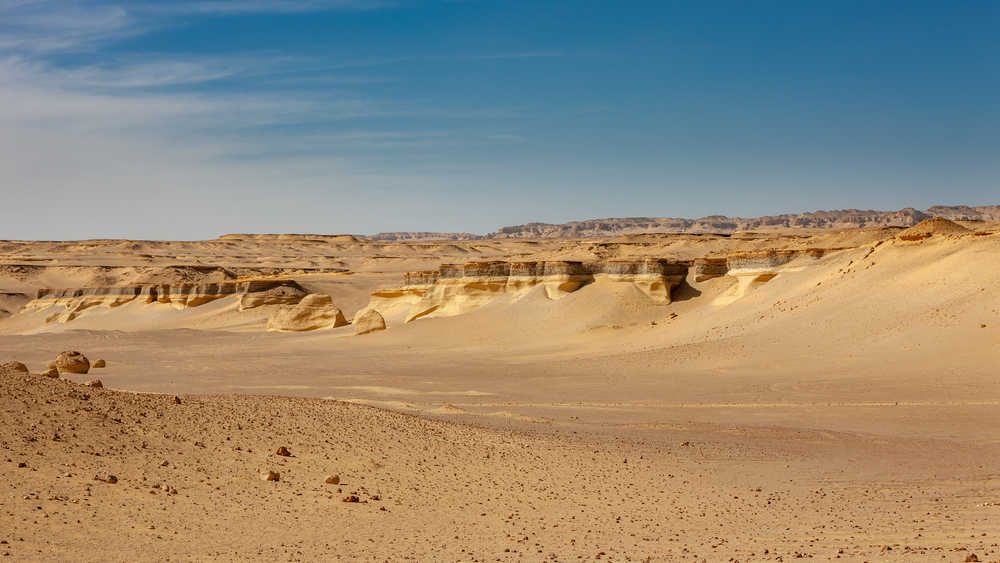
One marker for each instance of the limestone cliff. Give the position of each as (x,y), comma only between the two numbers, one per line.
(68,304)
(838,219)
(454,289)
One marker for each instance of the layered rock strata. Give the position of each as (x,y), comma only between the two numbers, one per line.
(369,321)
(252,293)
(708,268)
(457,288)
(754,268)
(314,312)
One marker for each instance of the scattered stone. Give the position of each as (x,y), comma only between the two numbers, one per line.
(106,478)
(177,400)
(72,362)
(283,451)
(164,463)
(95,383)
(99,364)
(685,444)
(12,368)
(333,480)
(22,464)
(52,372)
(352,498)
(270,476)
(972,558)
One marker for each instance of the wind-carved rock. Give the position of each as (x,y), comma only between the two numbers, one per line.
(69,304)
(455,289)
(315,311)
(757,267)
(367,322)
(708,268)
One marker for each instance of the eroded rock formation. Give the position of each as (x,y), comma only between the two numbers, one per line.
(70,303)
(454,289)
(754,268)
(314,312)
(369,321)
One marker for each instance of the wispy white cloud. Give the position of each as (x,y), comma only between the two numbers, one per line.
(47,26)
(225,131)
(229,7)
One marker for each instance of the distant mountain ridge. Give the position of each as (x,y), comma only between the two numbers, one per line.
(836,219)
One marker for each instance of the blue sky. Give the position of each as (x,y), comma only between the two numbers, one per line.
(194,118)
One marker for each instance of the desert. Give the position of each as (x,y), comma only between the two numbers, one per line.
(789,393)
(499,281)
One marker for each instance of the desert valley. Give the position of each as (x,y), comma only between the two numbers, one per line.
(817,386)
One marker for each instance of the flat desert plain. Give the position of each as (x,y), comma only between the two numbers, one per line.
(755,396)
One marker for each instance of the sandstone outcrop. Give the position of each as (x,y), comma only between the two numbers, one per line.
(757,267)
(72,362)
(314,312)
(454,289)
(837,219)
(253,293)
(99,364)
(369,321)
(283,294)
(708,268)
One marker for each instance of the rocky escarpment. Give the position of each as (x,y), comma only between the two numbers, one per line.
(67,304)
(284,237)
(708,268)
(838,219)
(458,288)
(407,236)
(754,268)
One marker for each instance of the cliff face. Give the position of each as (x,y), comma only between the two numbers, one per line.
(458,288)
(839,219)
(68,304)
(455,289)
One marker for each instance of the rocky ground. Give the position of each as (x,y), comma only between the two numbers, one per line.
(94,474)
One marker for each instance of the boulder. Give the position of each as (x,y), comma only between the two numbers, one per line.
(270,476)
(369,321)
(12,368)
(52,372)
(99,364)
(72,362)
(332,480)
(315,311)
